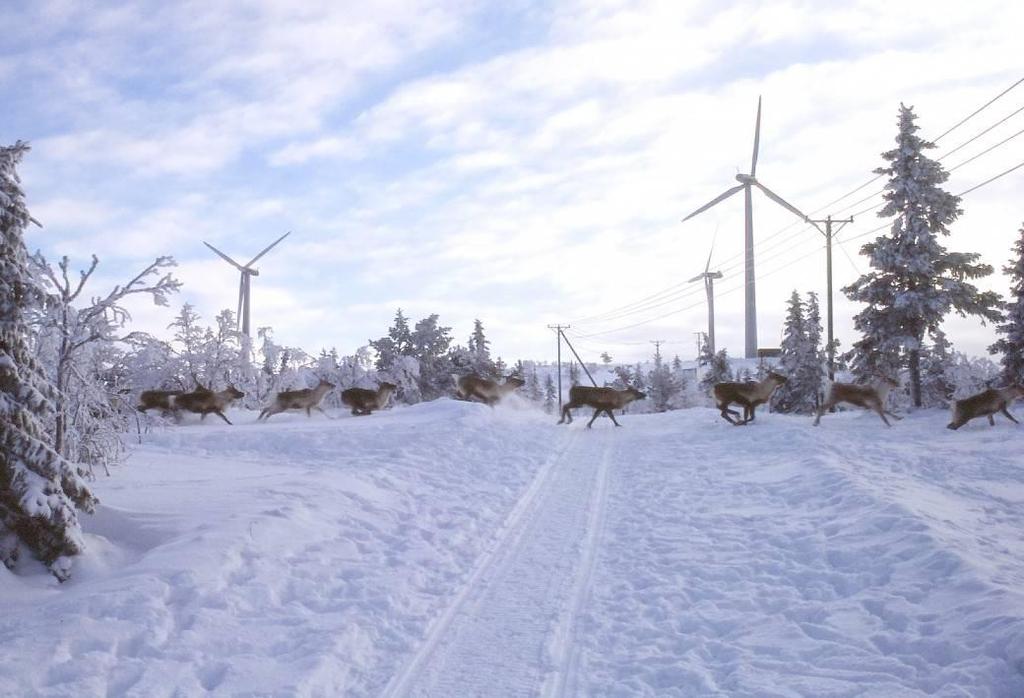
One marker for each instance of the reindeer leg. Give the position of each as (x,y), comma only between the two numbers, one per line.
(894,416)
(726,412)
(612,416)
(991,420)
(221,415)
(881,413)
(321,411)
(596,412)
(567,413)
(827,407)
(1009,416)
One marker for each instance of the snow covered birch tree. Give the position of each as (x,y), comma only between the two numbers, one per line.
(1011,344)
(75,330)
(915,281)
(39,490)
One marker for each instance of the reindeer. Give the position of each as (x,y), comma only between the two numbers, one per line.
(749,394)
(871,396)
(157,400)
(601,399)
(306,399)
(205,401)
(487,391)
(363,401)
(986,404)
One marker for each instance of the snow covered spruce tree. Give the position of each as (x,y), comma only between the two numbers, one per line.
(39,490)
(663,386)
(1011,344)
(915,281)
(716,367)
(792,397)
(479,352)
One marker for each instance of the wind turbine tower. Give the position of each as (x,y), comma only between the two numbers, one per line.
(245,284)
(709,286)
(747,182)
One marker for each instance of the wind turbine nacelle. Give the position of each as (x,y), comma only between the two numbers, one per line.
(253,272)
(745,179)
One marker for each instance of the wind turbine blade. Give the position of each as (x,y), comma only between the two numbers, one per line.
(720,197)
(696,278)
(269,247)
(241,294)
(710,252)
(757,138)
(224,256)
(780,201)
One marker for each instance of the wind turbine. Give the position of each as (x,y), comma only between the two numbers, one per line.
(709,286)
(245,284)
(747,182)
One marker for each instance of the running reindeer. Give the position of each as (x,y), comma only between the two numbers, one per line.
(601,399)
(157,400)
(986,404)
(748,394)
(204,401)
(487,391)
(363,401)
(306,399)
(871,396)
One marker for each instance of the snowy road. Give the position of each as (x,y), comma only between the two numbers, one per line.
(448,550)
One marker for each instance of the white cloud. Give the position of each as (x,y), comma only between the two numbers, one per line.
(559,165)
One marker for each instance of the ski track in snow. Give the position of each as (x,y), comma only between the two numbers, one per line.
(500,635)
(451,550)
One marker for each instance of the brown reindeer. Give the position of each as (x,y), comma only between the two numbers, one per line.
(306,399)
(157,400)
(871,396)
(986,404)
(363,401)
(487,391)
(601,399)
(748,394)
(205,401)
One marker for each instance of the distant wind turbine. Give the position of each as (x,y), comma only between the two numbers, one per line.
(709,286)
(245,284)
(747,182)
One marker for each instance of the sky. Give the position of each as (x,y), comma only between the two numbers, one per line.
(524,163)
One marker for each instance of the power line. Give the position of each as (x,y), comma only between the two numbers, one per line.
(678,291)
(977,111)
(784,266)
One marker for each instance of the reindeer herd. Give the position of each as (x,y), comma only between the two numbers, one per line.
(747,394)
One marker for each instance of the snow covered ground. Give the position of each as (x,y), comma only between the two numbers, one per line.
(450,550)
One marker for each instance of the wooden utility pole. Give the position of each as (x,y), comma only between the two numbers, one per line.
(558,334)
(829,232)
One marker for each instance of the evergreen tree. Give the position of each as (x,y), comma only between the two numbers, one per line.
(812,370)
(663,387)
(574,373)
(533,389)
(606,358)
(639,380)
(936,366)
(790,397)
(550,394)
(398,342)
(39,490)
(479,352)
(1011,344)
(716,367)
(430,344)
(915,281)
